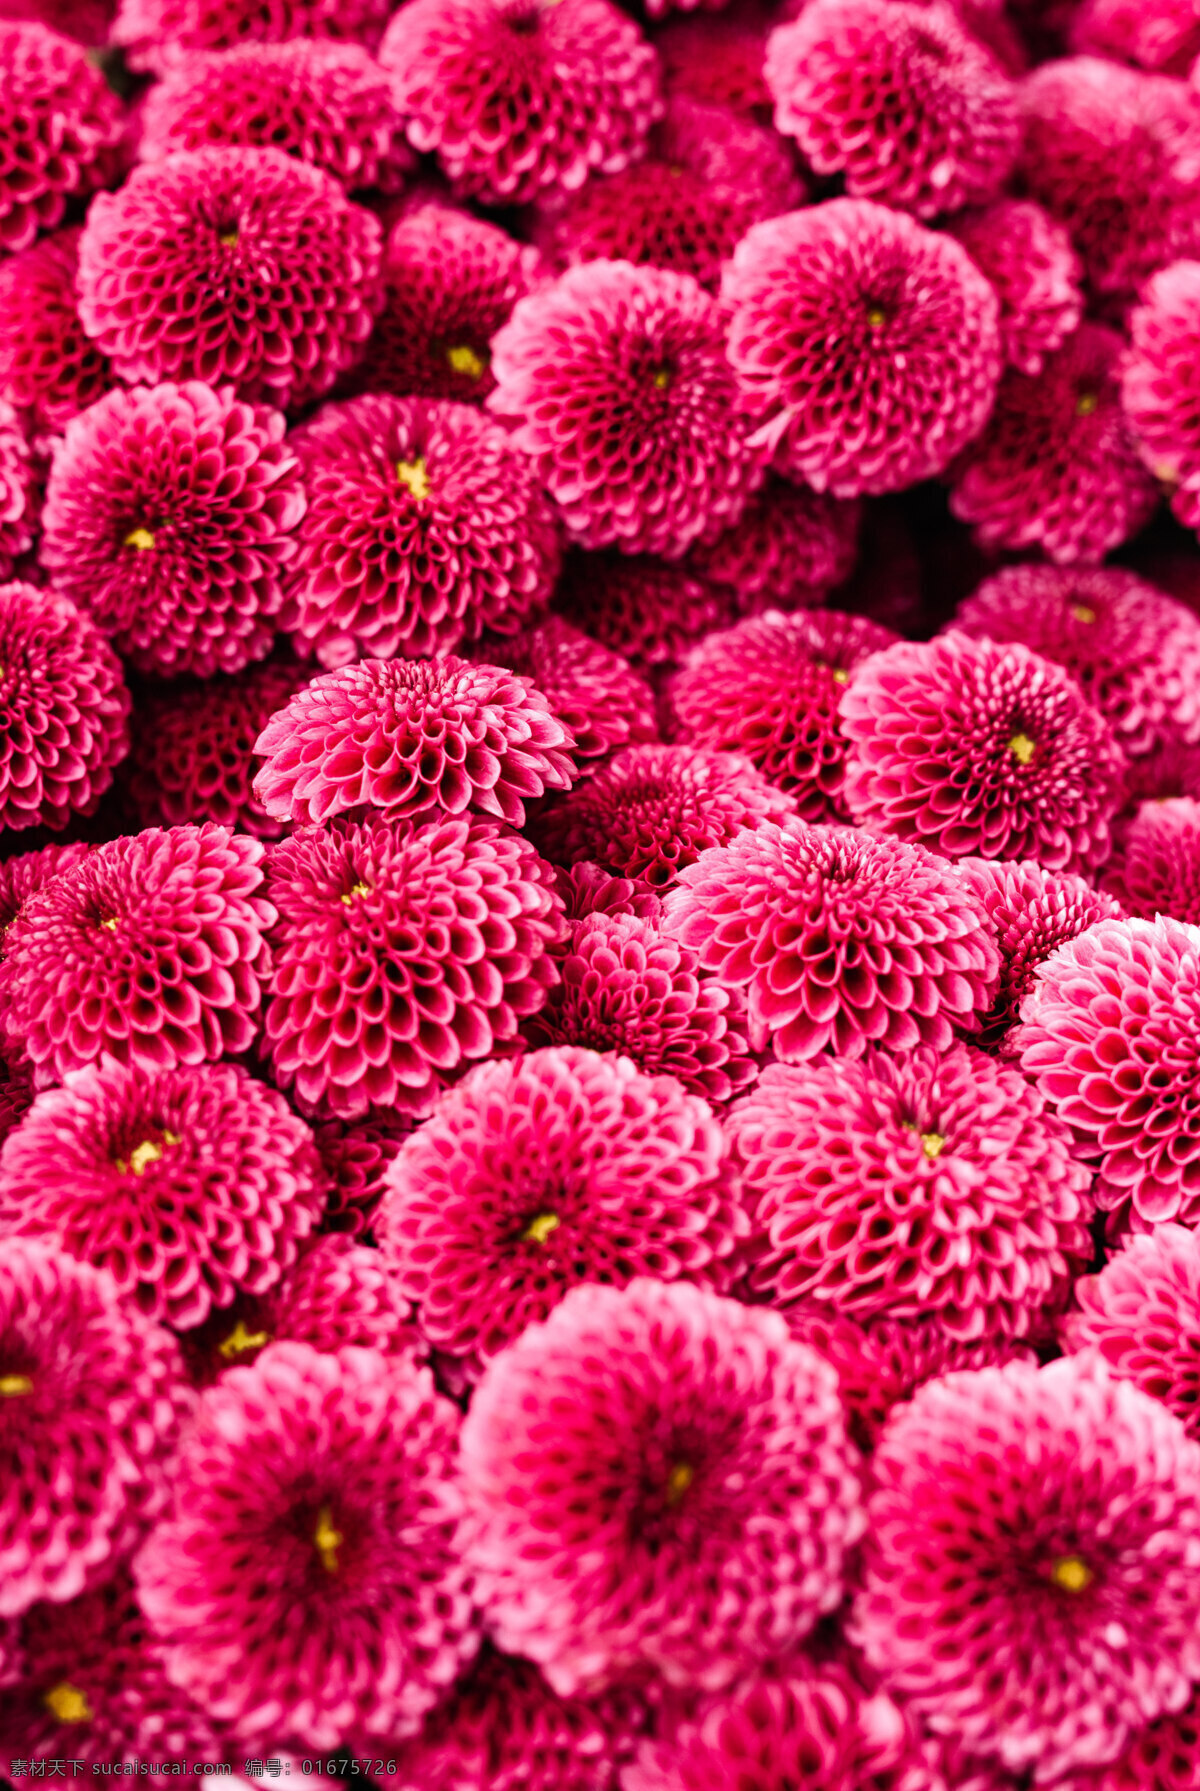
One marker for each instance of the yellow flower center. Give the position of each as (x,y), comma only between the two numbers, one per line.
(678,1481)
(464,360)
(240,1340)
(110,925)
(414,478)
(876,317)
(839,676)
(932,1143)
(1082,613)
(228,239)
(327,1540)
(539,1229)
(356,889)
(1087,404)
(12,1386)
(67,1703)
(1072,1574)
(150,1150)
(1022,748)
(140,538)
(660,379)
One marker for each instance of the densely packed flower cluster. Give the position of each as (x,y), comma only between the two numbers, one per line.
(600,893)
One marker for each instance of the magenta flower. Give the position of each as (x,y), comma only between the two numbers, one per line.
(1031,912)
(328,104)
(566,1166)
(16,1098)
(655,809)
(17,497)
(718,61)
(404,736)
(1043,1524)
(974,748)
(48,368)
(633,433)
(355,1155)
(1106,1038)
(839,940)
(150,949)
(917,328)
(711,175)
(770,689)
(230,264)
(899,99)
(185,1185)
(1142,1312)
(64,710)
(403,952)
(23,876)
(1161,1757)
(514,97)
(646,610)
(789,549)
(61,124)
(1163,36)
(91,1401)
(326,1597)
(1156,868)
(1134,652)
(1159,386)
(86,21)
(424,523)
(626,987)
(586,889)
(451,282)
(1028,257)
(170,515)
(899,1186)
(1056,467)
(157,33)
(657,1478)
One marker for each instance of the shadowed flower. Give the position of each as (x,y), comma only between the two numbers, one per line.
(1027,256)
(60,124)
(158,33)
(355,1155)
(1142,1312)
(18,508)
(1156,867)
(1161,35)
(790,547)
(48,368)
(718,61)
(647,610)
(1159,386)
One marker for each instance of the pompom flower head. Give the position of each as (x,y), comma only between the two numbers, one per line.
(48,367)
(91,1400)
(326,1598)
(869,346)
(770,689)
(17,499)
(170,515)
(1142,1312)
(899,1186)
(60,124)
(1109,1035)
(594,692)
(150,949)
(424,523)
(687,1494)
(1159,386)
(450,282)
(838,940)
(1055,466)
(1044,1524)
(1163,35)
(718,61)
(514,96)
(633,430)
(355,1154)
(403,951)
(655,809)
(329,104)
(647,610)
(185,1185)
(970,747)
(900,99)
(158,33)
(1028,257)
(64,710)
(565,1166)
(404,736)
(788,549)
(1156,869)
(230,264)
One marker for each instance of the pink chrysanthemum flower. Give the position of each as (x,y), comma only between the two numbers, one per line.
(1031,912)
(655,809)
(903,1185)
(1163,35)
(91,1401)
(899,99)
(1044,1524)
(403,952)
(48,368)
(329,104)
(1056,466)
(839,940)
(648,611)
(451,282)
(424,523)
(150,949)
(185,1185)
(1142,1312)
(355,1156)
(157,33)
(530,1177)
(16,1098)
(789,549)
(514,96)
(326,1597)
(1114,154)
(230,264)
(1110,1037)
(974,748)
(1172,769)
(686,1491)
(170,514)
(1164,1756)
(586,889)
(60,124)
(1134,652)
(193,749)
(770,689)
(918,349)
(1159,384)
(1027,256)
(64,710)
(718,61)
(404,736)
(711,175)
(17,499)
(1156,868)
(23,876)
(86,21)
(593,691)
(626,987)
(618,387)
